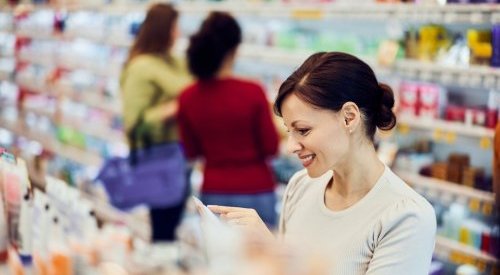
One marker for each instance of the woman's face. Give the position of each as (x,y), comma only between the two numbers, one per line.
(319,137)
(174,35)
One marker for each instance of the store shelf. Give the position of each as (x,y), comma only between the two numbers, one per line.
(104,211)
(91,98)
(108,40)
(69,152)
(409,12)
(469,76)
(444,244)
(99,131)
(102,70)
(456,128)
(475,14)
(92,129)
(458,13)
(476,76)
(446,186)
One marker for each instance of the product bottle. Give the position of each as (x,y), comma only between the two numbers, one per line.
(4,239)
(60,260)
(25,229)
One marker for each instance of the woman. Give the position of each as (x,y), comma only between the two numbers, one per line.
(346,204)
(151,80)
(227,121)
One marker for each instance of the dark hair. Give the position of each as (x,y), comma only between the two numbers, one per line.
(329,79)
(218,36)
(155,34)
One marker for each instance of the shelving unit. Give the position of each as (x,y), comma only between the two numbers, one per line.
(66,151)
(456,128)
(447,245)
(446,186)
(470,76)
(477,13)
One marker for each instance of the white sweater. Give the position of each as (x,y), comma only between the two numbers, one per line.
(391,230)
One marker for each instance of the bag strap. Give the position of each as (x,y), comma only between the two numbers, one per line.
(137,133)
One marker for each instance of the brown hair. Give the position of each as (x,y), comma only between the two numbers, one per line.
(155,34)
(218,36)
(329,79)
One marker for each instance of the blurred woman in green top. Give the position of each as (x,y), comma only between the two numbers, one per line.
(150,82)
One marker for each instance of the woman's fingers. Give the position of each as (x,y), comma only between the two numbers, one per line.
(226,209)
(235,215)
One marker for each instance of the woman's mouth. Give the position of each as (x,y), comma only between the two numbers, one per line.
(307,159)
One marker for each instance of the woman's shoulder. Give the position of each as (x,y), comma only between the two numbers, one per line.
(247,84)
(396,188)
(405,203)
(149,61)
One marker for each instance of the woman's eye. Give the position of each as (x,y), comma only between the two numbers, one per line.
(303,132)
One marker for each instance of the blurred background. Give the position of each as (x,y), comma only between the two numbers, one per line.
(60,105)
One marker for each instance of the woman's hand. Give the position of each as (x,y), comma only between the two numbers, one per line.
(161,112)
(245,218)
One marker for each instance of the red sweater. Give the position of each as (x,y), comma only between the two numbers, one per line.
(228,123)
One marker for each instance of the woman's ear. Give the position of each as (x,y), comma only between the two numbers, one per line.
(351,115)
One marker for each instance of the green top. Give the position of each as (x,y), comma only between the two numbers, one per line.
(147,81)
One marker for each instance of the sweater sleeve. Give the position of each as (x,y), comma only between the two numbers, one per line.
(290,198)
(404,239)
(267,136)
(172,78)
(137,93)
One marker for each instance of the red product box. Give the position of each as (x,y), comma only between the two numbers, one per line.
(408,98)
(455,113)
(479,117)
(428,99)
(491,118)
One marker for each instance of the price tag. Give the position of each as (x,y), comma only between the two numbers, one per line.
(463,80)
(425,76)
(450,137)
(485,143)
(474,205)
(476,17)
(487,209)
(481,265)
(475,80)
(446,78)
(489,81)
(455,257)
(403,129)
(470,260)
(438,135)
(450,17)
(311,14)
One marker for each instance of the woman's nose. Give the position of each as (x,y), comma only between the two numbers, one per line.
(292,145)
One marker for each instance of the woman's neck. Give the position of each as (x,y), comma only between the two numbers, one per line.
(226,68)
(359,174)
(225,71)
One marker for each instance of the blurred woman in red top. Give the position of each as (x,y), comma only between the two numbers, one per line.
(227,122)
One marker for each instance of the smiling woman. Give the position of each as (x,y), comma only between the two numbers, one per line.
(346,204)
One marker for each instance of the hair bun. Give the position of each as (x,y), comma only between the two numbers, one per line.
(386,119)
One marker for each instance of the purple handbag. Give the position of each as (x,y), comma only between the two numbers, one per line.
(153,174)
(157,178)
